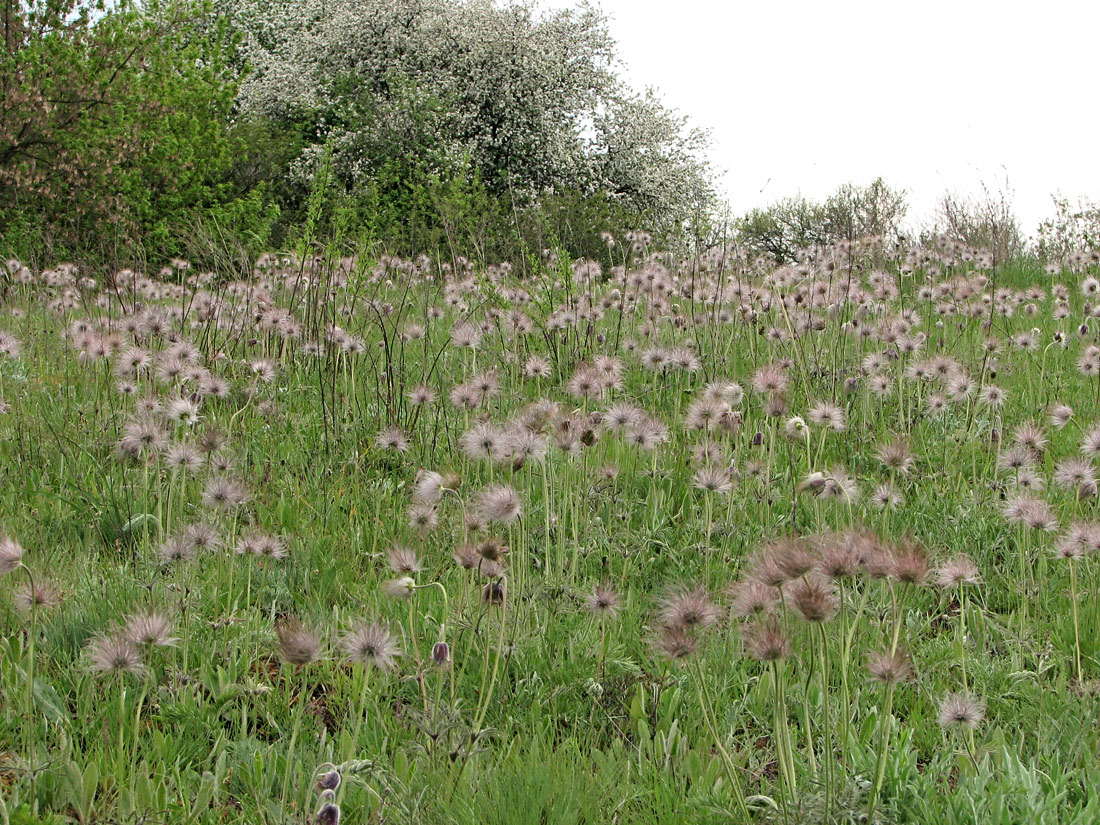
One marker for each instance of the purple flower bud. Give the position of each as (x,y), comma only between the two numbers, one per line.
(441,654)
(328,781)
(328,815)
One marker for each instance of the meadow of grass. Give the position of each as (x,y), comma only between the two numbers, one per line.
(413,541)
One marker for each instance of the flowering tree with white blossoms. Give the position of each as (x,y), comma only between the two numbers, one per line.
(528,101)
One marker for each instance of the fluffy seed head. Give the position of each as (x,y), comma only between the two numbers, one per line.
(372,645)
(688,609)
(150,628)
(890,668)
(498,504)
(298,645)
(961,710)
(11,555)
(116,654)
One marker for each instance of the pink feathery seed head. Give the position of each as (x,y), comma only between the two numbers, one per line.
(466,557)
(713,479)
(675,643)
(752,597)
(895,455)
(1090,442)
(814,598)
(1016,458)
(1036,514)
(39,596)
(1071,473)
(1060,415)
(142,436)
(224,493)
(538,367)
(705,414)
(791,556)
(466,335)
(498,504)
(828,415)
(298,645)
(212,440)
(775,406)
(878,562)
(890,668)
(372,645)
(403,560)
(765,641)
(886,496)
(958,571)
(10,346)
(770,379)
(392,439)
(688,609)
(175,549)
(603,601)
(839,486)
(840,558)
(1030,436)
(730,422)
(11,555)
(115,655)
(483,441)
(910,563)
(526,446)
(422,396)
(764,568)
(492,550)
(961,710)
(709,453)
(428,487)
(184,457)
(620,418)
(1074,543)
(424,518)
(992,396)
(183,411)
(200,537)
(795,429)
(149,628)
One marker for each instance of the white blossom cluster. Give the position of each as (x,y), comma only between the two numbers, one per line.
(529,100)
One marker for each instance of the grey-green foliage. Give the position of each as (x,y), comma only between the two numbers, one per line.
(786,227)
(530,100)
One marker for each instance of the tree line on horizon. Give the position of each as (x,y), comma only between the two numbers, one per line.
(138,131)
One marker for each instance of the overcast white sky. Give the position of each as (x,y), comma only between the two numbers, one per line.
(801,97)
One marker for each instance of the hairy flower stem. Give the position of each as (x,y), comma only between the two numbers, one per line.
(727,760)
(416,654)
(484,708)
(360,714)
(784,756)
(884,743)
(29,722)
(1076,626)
(962,635)
(887,720)
(288,769)
(827,747)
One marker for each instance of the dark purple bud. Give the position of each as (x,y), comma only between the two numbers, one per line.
(328,781)
(441,654)
(328,815)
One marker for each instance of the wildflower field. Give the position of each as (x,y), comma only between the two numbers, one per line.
(363,539)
